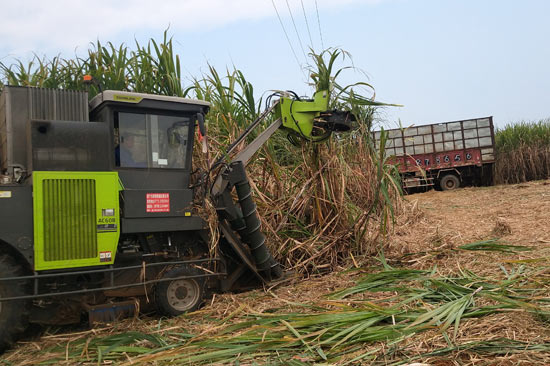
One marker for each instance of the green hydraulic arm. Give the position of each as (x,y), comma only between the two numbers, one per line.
(308,120)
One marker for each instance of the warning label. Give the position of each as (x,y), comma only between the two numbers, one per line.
(157,202)
(105,256)
(5,194)
(106,228)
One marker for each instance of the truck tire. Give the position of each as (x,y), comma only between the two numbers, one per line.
(449,182)
(13,314)
(180,295)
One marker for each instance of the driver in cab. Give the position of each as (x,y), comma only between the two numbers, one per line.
(130,153)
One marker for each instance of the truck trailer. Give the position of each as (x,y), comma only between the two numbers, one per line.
(442,155)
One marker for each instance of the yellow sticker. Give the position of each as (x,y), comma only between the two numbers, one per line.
(127,98)
(188,214)
(5,194)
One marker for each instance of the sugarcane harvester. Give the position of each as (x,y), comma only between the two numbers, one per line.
(97,204)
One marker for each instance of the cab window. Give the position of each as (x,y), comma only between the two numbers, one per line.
(151,141)
(131,151)
(169,137)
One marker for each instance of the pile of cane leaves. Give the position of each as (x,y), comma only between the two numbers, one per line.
(494,245)
(355,325)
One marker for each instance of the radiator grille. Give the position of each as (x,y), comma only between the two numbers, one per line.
(69,219)
(54,104)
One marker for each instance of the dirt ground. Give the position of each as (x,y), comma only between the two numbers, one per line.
(477,213)
(516,214)
(437,223)
(430,228)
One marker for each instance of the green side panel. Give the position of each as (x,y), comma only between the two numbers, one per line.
(69,209)
(298,115)
(76,219)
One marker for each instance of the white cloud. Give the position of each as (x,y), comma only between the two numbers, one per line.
(38,25)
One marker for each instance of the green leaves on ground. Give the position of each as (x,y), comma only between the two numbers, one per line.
(387,305)
(494,245)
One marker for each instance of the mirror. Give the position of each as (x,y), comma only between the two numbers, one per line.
(200,121)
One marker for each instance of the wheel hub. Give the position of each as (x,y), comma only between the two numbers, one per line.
(183,294)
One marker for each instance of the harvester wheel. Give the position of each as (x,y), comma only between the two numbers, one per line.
(13,314)
(449,182)
(180,295)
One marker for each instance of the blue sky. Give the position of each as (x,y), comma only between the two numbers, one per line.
(443,60)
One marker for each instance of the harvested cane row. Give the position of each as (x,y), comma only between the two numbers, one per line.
(389,316)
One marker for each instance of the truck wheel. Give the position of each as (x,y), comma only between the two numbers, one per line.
(13,314)
(449,182)
(180,295)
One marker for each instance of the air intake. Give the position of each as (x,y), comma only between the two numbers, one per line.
(69,219)
(19,105)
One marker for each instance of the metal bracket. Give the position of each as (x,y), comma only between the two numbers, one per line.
(245,155)
(448,170)
(239,248)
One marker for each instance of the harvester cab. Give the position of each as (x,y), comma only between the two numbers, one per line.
(97,204)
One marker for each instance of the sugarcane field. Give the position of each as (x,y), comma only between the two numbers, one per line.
(275,183)
(371,310)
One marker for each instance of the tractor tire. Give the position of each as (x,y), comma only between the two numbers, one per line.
(13,314)
(180,295)
(449,182)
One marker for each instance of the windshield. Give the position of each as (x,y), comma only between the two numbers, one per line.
(151,141)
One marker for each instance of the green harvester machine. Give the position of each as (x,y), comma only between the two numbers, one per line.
(97,204)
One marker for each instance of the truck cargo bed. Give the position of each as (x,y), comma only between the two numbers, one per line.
(422,153)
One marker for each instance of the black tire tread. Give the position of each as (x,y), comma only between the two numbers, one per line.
(14,314)
(447,177)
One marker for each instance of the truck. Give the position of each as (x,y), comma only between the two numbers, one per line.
(98,206)
(444,156)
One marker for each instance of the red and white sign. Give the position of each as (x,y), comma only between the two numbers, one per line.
(157,202)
